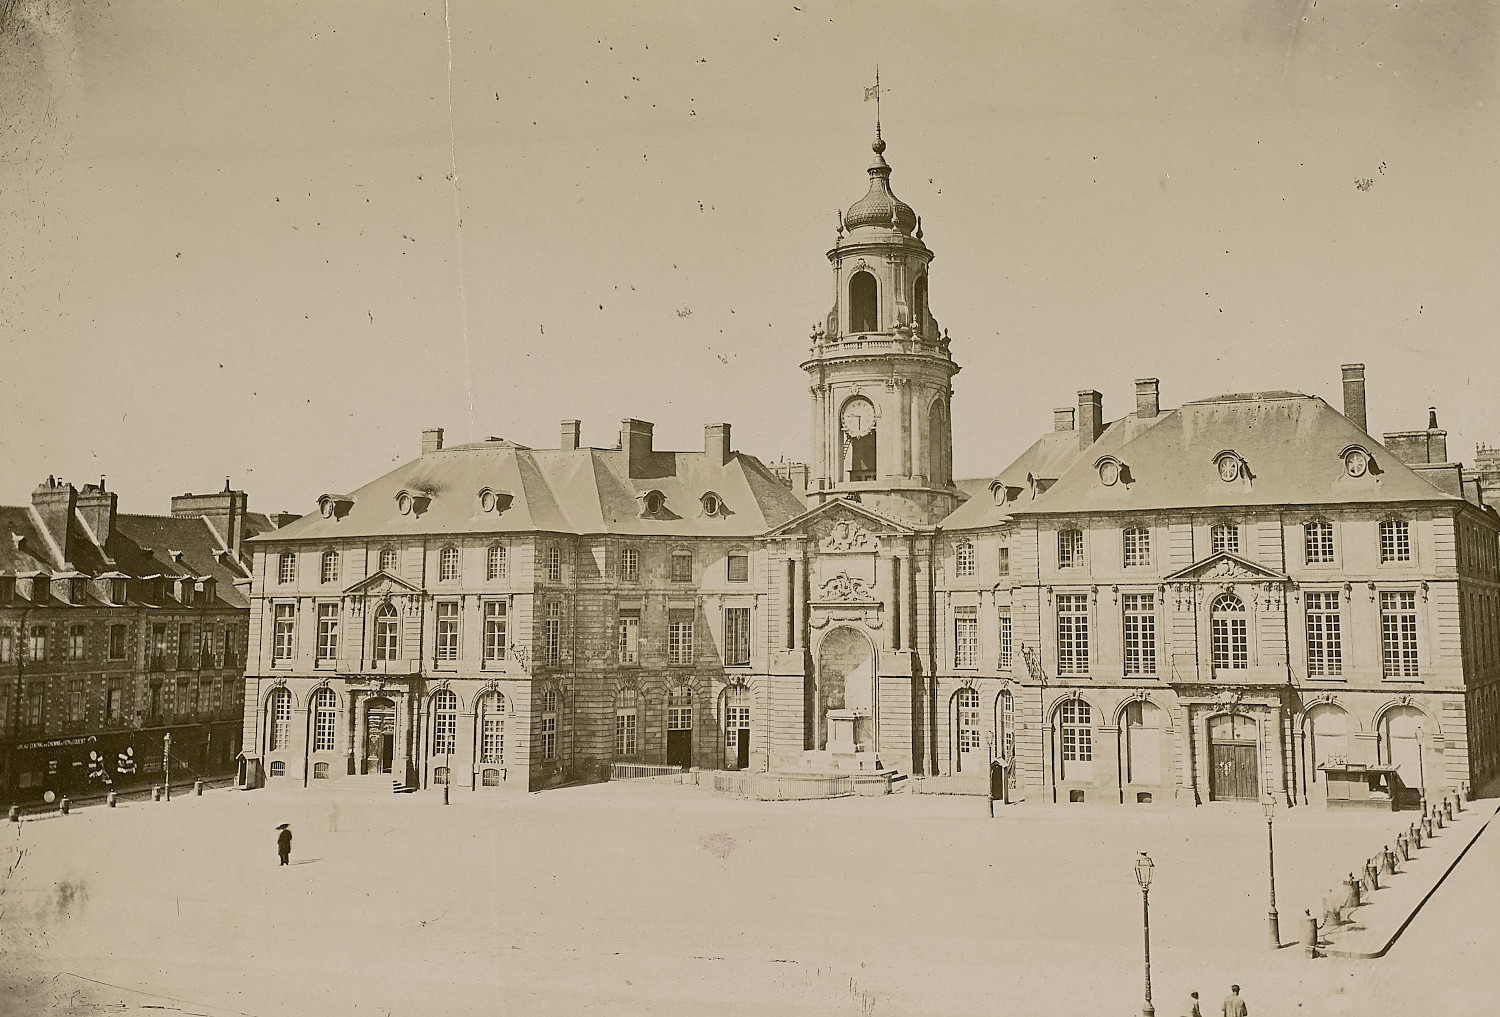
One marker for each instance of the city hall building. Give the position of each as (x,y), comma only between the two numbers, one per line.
(1177,606)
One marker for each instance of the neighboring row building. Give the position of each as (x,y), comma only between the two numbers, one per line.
(1182,605)
(116,630)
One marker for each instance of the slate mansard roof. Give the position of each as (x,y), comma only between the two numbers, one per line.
(1291,447)
(576,491)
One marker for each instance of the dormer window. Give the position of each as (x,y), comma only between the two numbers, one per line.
(405,503)
(653,502)
(334,506)
(1111,471)
(117,591)
(1357,461)
(41,589)
(491,500)
(207,589)
(712,505)
(1229,466)
(75,592)
(186,589)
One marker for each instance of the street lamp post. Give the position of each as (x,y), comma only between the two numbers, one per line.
(1143,876)
(1272,919)
(448,778)
(166,764)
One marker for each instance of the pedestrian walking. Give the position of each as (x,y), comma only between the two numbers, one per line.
(1234,1006)
(333,817)
(1190,1008)
(284,845)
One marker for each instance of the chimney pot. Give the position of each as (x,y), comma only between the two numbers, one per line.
(1354,395)
(432,439)
(1147,398)
(1432,424)
(570,434)
(1062,418)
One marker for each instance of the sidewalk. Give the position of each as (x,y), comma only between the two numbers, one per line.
(1376,924)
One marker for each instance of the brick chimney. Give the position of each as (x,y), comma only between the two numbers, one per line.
(432,440)
(55,500)
(571,430)
(98,508)
(1418,448)
(1090,417)
(1062,418)
(1147,398)
(225,512)
(716,443)
(1354,395)
(635,441)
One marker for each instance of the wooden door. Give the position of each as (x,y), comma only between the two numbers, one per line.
(742,747)
(1233,772)
(680,748)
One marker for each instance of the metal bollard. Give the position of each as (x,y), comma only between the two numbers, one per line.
(15,813)
(1427,827)
(1447,809)
(1437,818)
(1372,876)
(1415,834)
(64,805)
(1310,933)
(198,787)
(1351,901)
(156,792)
(1387,861)
(110,798)
(1403,847)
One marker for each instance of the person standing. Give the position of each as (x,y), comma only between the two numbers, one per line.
(1190,1008)
(1234,1006)
(284,844)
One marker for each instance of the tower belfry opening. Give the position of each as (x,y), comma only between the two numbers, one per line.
(880,367)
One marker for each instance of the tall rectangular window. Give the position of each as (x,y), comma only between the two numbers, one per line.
(38,652)
(965,637)
(35,706)
(1004,561)
(1069,549)
(78,636)
(495,623)
(630,637)
(286,568)
(1077,732)
(328,632)
(492,739)
(1137,546)
(1140,632)
(205,646)
(549,725)
(625,726)
(495,565)
(736,635)
(325,721)
(1072,633)
(282,631)
(552,632)
(1225,537)
(115,705)
(1398,634)
(448,565)
(330,567)
(1325,652)
(554,565)
(682,567)
(963,559)
(184,646)
(231,646)
(1006,653)
(7,645)
(1395,540)
(630,565)
(447,630)
(117,642)
(1317,541)
(680,637)
(75,701)
(739,568)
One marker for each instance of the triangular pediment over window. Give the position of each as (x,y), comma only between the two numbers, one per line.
(843,525)
(379,584)
(1225,567)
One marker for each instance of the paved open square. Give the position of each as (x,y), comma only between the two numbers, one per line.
(642,898)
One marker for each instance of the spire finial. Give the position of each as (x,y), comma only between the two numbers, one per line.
(874,93)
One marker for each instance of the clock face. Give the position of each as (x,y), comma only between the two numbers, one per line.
(1229,468)
(858,419)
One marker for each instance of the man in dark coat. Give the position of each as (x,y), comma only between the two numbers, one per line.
(284,843)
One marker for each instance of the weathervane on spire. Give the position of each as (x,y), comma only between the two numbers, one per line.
(873,92)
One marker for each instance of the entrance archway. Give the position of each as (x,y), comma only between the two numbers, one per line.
(1401,730)
(1233,758)
(380,735)
(845,680)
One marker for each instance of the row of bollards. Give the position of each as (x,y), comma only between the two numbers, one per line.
(1358,889)
(111,798)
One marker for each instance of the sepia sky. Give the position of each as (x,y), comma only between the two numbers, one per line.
(267,241)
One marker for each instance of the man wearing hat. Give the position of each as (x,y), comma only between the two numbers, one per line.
(284,843)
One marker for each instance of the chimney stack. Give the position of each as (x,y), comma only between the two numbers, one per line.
(570,432)
(1354,395)
(1090,417)
(1420,448)
(635,440)
(1062,418)
(225,512)
(716,443)
(98,508)
(55,500)
(432,440)
(1147,398)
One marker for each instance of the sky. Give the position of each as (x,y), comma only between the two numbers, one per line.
(273,242)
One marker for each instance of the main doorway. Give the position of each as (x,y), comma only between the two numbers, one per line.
(1233,759)
(380,736)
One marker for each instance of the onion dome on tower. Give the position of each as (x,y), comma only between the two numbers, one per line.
(879,206)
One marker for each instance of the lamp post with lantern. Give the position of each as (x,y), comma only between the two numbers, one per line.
(1269,805)
(1143,868)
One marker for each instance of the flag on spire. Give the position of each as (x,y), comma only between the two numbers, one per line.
(872,92)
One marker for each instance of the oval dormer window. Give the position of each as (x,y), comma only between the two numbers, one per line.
(1229,466)
(487,500)
(325,506)
(711,505)
(1357,462)
(1109,473)
(404,503)
(654,501)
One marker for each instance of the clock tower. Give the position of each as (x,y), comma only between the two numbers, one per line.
(880,368)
